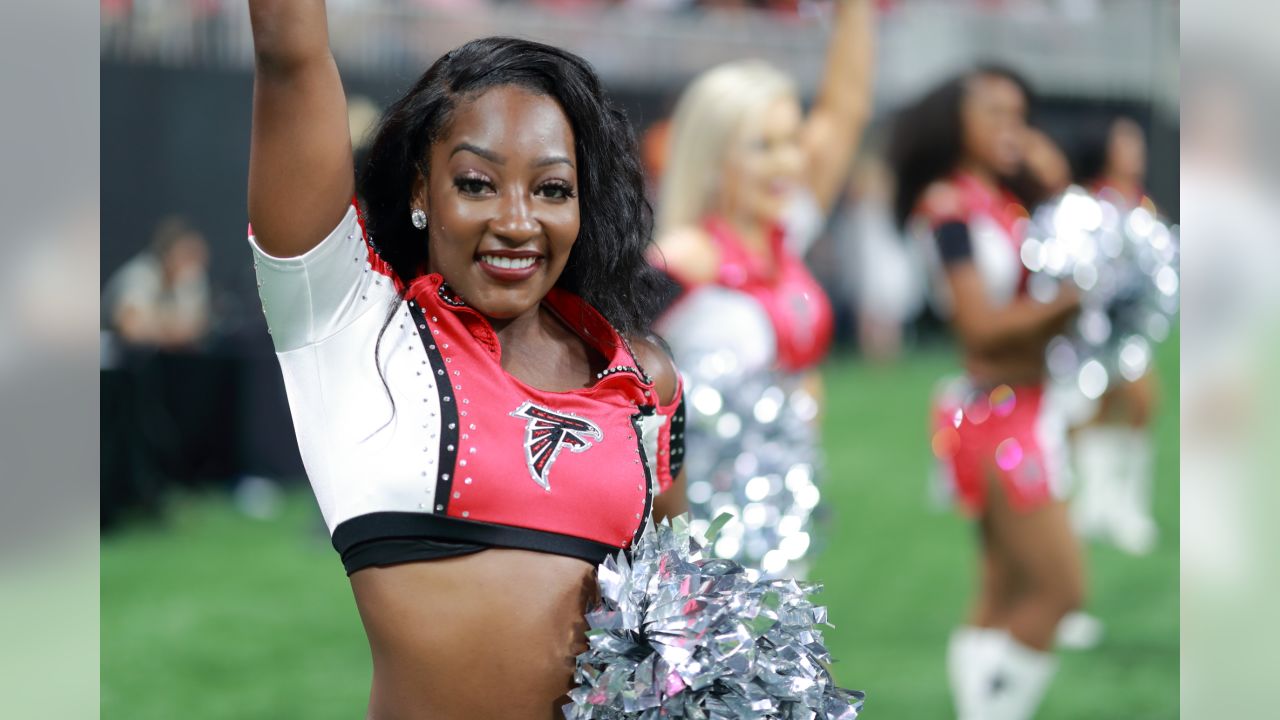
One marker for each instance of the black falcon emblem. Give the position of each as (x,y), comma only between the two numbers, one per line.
(546,433)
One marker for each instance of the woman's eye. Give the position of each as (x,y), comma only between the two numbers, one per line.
(556,191)
(472,185)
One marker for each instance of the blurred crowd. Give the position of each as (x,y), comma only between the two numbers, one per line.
(113,10)
(116,9)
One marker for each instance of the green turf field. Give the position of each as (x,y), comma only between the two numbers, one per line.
(215,615)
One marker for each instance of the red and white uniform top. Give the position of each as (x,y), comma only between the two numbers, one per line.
(780,314)
(996,221)
(467,453)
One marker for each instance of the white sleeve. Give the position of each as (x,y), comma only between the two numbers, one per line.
(310,297)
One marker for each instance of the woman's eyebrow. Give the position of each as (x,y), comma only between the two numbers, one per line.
(497,159)
(489,155)
(553,160)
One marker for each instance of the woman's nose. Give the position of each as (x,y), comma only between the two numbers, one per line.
(515,220)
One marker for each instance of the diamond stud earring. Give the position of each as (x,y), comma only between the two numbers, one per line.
(418,218)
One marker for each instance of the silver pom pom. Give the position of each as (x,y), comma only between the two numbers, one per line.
(751,450)
(679,635)
(1125,263)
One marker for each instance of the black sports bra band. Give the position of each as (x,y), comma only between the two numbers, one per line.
(377,526)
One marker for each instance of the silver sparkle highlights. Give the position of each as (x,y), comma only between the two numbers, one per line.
(681,635)
(1125,263)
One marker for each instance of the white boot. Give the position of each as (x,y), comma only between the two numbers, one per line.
(1132,527)
(1018,683)
(972,654)
(1100,456)
(1078,630)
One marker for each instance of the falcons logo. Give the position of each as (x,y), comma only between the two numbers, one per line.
(546,433)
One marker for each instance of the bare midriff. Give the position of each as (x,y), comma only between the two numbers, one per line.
(488,635)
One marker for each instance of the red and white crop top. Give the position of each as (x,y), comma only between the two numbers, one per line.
(469,454)
(796,305)
(995,223)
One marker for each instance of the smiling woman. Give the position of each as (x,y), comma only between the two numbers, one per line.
(502,200)
(479,309)
(523,133)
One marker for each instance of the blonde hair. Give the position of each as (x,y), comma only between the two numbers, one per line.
(706,122)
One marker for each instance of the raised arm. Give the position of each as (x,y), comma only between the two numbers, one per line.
(301,174)
(843,106)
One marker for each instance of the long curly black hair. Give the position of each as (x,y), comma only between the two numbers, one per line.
(928,137)
(607,267)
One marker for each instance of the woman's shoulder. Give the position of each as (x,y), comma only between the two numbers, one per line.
(656,361)
(942,201)
(688,254)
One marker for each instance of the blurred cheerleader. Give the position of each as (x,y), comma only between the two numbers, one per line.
(749,180)
(998,435)
(1113,451)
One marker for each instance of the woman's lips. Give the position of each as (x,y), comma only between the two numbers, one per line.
(509,269)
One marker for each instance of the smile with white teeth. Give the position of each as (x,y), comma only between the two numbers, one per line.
(509,263)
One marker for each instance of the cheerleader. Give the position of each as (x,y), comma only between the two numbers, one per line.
(998,435)
(748,182)
(479,414)
(1113,450)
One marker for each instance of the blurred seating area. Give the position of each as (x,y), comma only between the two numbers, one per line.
(1067,47)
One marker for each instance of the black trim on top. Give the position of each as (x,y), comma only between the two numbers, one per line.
(351,537)
(448,409)
(449,297)
(675,455)
(648,473)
